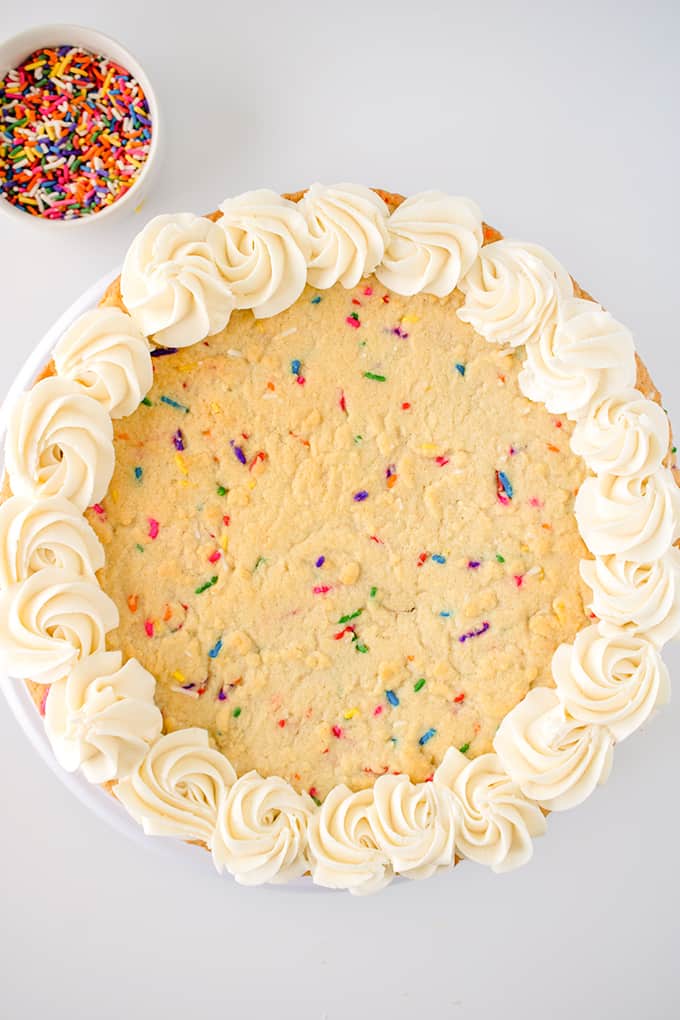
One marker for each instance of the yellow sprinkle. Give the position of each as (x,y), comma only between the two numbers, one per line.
(410,320)
(179,677)
(215,408)
(224,541)
(115,495)
(252,483)
(179,461)
(351,712)
(429,449)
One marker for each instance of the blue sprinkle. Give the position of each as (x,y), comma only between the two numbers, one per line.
(445,612)
(460,368)
(160,352)
(316,299)
(360,496)
(138,473)
(295,366)
(428,735)
(320,562)
(216,649)
(438,558)
(392,698)
(174,403)
(505,482)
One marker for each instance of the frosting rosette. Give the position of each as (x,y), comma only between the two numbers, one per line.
(635,517)
(261,831)
(50,621)
(263,250)
(102,717)
(581,356)
(613,679)
(496,822)
(625,434)
(554,759)
(178,787)
(48,533)
(643,598)
(343,848)
(433,241)
(415,825)
(59,443)
(105,352)
(512,292)
(171,284)
(347,227)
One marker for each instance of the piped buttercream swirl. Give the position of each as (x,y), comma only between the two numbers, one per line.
(347,227)
(554,759)
(171,283)
(50,621)
(59,443)
(48,533)
(102,717)
(512,291)
(105,352)
(496,822)
(343,848)
(414,825)
(625,434)
(434,239)
(262,830)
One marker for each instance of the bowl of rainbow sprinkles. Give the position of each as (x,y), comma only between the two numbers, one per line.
(79,127)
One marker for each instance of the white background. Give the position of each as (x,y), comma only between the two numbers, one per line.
(561,120)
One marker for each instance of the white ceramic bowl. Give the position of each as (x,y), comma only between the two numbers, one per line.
(16,49)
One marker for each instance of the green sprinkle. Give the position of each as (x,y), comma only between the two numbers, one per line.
(501,559)
(375,377)
(236,713)
(360,648)
(464,748)
(419,684)
(358,439)
(260,559)
(221,491)
(374,592)
(674,449)
(207,584)
(354,315)
(146,401)
(350,616)
(316,800)
(140,547)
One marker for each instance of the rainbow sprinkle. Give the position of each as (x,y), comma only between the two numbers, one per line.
(427,735)
(75,132)
(216,649)
(392,698)
(174,403)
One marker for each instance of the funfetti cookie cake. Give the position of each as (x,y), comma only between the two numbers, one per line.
(339,538)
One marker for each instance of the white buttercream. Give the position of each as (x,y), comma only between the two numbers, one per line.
(580,357)
(105,352)
(59,443)
(643,598)
(347,225)
(343,848)
(623,435)
(638,517)
(178,787)
(554,759)
(102,717)
(263,248)
(614,679)
(171,284)
(496,822)
(48,533)
(414,825)
(512,291)
(434,239)
(50,621)
(262,830)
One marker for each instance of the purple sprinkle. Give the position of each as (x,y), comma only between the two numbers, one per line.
(222,695)
(475,633)
(473,564)
(240,455)
(188,687)
(390,470)
(360,496)
(398,331)
(320,562)
(178,440)
(160,352)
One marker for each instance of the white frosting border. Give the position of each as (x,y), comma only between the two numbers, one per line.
(544,758)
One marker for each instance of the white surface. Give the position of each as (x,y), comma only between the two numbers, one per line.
(561,123)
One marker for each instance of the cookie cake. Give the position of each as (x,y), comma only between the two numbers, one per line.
(339,538)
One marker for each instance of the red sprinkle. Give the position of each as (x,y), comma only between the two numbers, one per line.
(261,455)
(377,710)
(153,527)
(368,291)
(374,538)
(354,323)
(421,559)
(300,380)
(215,556)
(148,627)
(336,731)
(356,301)
(226,520)
(321,589)
(386,298)
(519,580)
(282,723)
(343,402)
(458,698)
(442,461)
(406,406)
(341,633)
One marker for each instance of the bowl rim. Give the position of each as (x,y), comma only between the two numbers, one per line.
(97,42)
